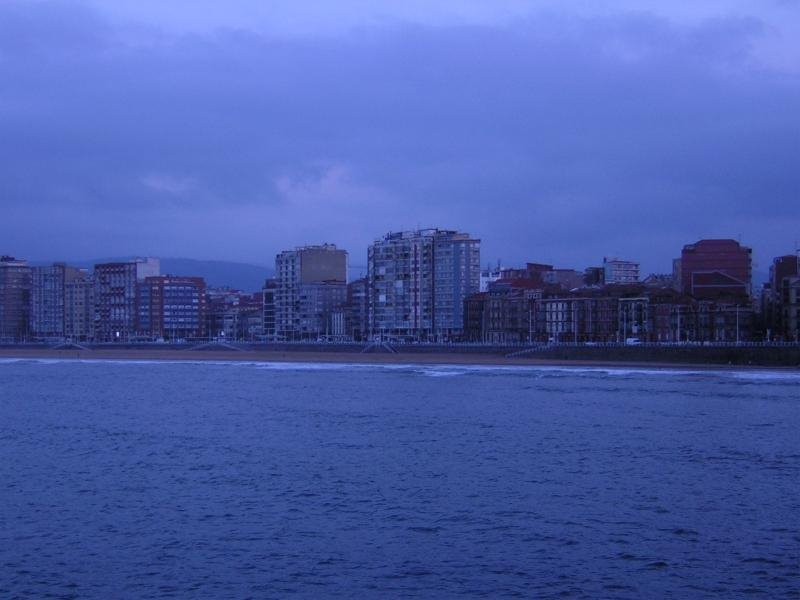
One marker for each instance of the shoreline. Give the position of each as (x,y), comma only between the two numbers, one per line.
(357,358)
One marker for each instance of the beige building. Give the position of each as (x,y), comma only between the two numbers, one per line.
(310,283)
(79,308)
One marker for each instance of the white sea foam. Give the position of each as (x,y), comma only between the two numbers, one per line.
(441,370)
(767,375)
(432,372)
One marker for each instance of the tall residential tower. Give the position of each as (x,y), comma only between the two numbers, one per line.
(418,281)
(115,296)
(48,299)
(15,290)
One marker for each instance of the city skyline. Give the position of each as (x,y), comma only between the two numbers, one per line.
(422,285)
(632,127)
(760,268)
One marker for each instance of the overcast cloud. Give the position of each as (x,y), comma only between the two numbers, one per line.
(554,134)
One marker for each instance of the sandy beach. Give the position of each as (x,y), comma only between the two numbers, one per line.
(453,358)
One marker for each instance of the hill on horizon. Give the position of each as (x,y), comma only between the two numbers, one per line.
(217,273)
(245,276)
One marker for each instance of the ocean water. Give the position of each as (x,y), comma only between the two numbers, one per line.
(243,480)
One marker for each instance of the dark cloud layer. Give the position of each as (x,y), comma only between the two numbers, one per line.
(558,139)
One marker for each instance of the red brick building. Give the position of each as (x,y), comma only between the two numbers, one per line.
(172,307)
(712,269)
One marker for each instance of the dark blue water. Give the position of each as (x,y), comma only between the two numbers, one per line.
(143,480)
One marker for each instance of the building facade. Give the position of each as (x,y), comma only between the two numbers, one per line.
(308,279)
(357,316)
(418,283)
(779,309)
(79,308)
(490,274)
(234,315)
(507,313)
(48,296)
(171,308)
(320,307)
(566,278)
(594,276)
(616,271)
(268,309)
(790,309)
(116,297)
(15,297)
(714,269)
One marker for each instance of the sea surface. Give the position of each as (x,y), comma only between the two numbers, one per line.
(243,480)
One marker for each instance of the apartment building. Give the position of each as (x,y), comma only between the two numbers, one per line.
(310,282)
(172,308)
(620,271)
(48,296)
(15,291)
(116,297)
(418,283)
(79,308)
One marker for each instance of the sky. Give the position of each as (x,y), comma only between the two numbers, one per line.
(554,131)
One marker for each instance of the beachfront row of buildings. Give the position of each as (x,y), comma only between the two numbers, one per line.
(424,285)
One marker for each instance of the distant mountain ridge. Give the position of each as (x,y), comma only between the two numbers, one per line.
(217,273)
